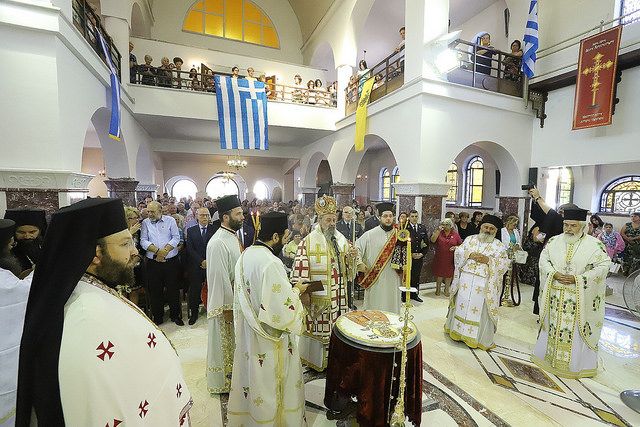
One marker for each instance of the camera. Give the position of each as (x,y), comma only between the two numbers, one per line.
(527,187)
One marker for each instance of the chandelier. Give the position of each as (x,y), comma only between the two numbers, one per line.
(227,176)
(237,163)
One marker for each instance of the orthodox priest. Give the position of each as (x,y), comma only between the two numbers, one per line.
(31,225)
(380,281)
(267,386)
(13,303)
(323,255)
(480,262)
(223,251)
(573,268)
(89,357)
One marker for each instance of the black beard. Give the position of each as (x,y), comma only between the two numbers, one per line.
(9,261)
(386,227)
(31,248)
(114,273)
(235,225)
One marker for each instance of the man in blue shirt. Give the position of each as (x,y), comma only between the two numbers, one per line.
(160,237)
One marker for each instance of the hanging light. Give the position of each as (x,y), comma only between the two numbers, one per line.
(237,163)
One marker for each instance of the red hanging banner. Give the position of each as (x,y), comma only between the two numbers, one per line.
(593,105)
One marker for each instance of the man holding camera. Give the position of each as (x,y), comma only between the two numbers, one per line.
(549,220)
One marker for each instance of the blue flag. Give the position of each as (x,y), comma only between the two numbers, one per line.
(530,41)
(114,125)
(242,114)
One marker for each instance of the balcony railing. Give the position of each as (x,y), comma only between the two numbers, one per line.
(488,69)
(203,81)
(88,23)
(388,75)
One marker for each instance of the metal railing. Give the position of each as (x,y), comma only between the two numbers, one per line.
(388,75)
(88,23)
(203,81)
(486,68)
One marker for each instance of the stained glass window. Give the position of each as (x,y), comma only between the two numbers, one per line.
(395,177)
(621,196)
(564,189)
(232,19)
(475,179)
(628,6)
(452,179)
(385,184)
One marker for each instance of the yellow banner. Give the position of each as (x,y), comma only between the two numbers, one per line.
(361,114)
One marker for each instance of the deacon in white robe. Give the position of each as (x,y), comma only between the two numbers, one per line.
(573,269)
(223,251)
(267,386)
(324,255)
(375,248)
(88,356)
(13,303)
(480,263)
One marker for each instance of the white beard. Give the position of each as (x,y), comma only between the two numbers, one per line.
(568,239)
(486,238)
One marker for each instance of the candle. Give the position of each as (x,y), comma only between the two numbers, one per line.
(408,267)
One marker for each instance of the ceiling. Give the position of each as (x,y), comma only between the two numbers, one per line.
(309,13)
(217,158)
(460,11)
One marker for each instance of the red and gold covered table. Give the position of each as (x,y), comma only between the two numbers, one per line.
(365,372)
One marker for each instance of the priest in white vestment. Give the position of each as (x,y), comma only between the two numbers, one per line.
(267,387)
(324,255)
(13,303)
(223,250)
(380,282)
(573,269)
(480,263)
(90,357)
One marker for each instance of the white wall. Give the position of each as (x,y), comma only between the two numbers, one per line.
(169,16)
(92,162)
(616,143)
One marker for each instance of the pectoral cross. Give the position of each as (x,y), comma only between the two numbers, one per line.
(317,253)
(598,66)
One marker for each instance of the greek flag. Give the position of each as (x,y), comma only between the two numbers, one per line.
(530,41)
(242,114)
(114,125)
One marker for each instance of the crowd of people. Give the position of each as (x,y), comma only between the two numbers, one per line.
(170,74)
(211,254)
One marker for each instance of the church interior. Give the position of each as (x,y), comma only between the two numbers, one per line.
(446,130)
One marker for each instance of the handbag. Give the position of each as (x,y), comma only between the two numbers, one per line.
(520,257)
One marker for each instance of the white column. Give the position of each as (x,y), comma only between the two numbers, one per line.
(118,29)
(343,72)
(425,21)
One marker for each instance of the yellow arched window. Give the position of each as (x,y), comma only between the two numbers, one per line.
(452,179)
(232,19)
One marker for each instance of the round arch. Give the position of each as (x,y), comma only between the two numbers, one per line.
(324,58)
(240,182)
(375,27)
(168,185)
(114,153)
(311,169)
(139,25)
(144,165)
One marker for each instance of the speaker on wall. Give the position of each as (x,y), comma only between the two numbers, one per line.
(533,176)
(497,182)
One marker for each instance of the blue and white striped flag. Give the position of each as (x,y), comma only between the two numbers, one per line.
(242,114)
(530,41)
(114,125)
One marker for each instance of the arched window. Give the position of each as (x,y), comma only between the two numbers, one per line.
(474,180)
(395,177)
(385,184)
(452,179)
(564,188)
(261,190)
(231,19)
(184,188)
(622,195)
(220,186)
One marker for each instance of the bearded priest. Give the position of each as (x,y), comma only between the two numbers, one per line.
(323,255)
(90,357)
(375,248)
(223,251)
(267,386)
(480,262)
(573,268)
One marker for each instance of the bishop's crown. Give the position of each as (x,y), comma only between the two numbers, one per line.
(325,205)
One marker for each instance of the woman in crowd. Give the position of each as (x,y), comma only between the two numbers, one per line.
(631,235)
(484,52)
(193,77)
(235,72)
(465,227)
(165,73)
(311,93)
(297,94)
(363,75)
(595,225)
(511,64)
(529,272)
(147,71)
(321,93)
(250,75)
(402,219)
(510,236)
(476,217)
(446,241)
(361,218)
(133,292)
(613,241)
(368,212)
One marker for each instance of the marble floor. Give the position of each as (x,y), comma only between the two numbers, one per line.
(467,387)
